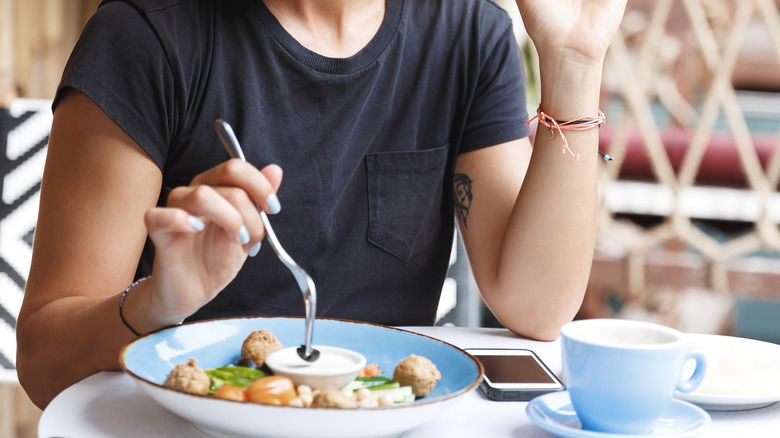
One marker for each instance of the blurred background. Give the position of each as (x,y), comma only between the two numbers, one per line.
(689,208)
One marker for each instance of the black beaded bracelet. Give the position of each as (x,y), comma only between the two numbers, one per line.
(122,303)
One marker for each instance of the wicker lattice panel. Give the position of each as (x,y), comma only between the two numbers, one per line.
(688,149)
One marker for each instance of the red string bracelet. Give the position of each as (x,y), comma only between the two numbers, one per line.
(580,124)
(122,304)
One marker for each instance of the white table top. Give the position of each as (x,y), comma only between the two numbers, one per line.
(109,404)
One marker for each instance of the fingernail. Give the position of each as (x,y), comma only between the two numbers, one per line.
(255,249)
(274,206)
(196,223)
(243,235)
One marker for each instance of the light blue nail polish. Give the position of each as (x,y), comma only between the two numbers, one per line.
(243,235)
(255,249)
(274,206)
(196,223)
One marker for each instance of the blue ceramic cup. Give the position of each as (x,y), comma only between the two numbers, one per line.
(622,374)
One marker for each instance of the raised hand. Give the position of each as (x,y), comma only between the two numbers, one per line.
(578,30)
(203,236)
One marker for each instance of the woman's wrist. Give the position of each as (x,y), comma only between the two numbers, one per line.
(137,311)
(570,92)
(569,89)
(122,300)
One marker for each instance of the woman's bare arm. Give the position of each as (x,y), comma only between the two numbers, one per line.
(96,188)
(531,226)
(98,204)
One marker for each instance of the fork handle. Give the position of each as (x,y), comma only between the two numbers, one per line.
(305,283)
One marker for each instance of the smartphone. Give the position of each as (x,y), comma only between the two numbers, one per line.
(514,374)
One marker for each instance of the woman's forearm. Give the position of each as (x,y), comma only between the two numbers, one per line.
(546,247)
(66,341)
(550,236)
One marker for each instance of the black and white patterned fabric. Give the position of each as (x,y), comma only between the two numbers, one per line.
(24,137)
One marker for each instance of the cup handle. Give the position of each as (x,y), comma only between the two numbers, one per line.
(697,377)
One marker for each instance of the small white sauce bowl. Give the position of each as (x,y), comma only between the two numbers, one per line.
(335,368)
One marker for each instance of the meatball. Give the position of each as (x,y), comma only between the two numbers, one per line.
(419,373)
(333,398)
(188,378)
(258,345)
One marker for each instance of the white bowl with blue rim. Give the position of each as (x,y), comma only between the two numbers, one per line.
(214,343)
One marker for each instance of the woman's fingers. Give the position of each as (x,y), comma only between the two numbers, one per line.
(172,220)
(260,186)
(227,207)
(173,232)
(229,195)
(273,174)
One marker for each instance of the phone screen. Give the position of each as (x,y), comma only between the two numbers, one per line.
(513,369)
(514,374)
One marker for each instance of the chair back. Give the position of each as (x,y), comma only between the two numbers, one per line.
(24,139)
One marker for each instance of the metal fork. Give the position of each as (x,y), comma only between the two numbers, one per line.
(305,283)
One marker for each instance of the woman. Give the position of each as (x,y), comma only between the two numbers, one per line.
(387,117)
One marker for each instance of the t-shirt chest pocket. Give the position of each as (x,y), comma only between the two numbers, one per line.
(405,192)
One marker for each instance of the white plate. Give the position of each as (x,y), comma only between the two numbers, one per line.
(554,413)
(741,373)
(214,343)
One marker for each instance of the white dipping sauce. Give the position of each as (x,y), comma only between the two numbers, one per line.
(330,361)
(335,367)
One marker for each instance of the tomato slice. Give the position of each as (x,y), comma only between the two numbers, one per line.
(370,371)
(271,390)
(231,392)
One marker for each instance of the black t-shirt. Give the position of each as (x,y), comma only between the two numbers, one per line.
(367,143)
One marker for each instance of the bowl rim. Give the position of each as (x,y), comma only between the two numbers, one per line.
(425,401)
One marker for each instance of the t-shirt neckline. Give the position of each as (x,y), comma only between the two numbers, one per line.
(365,57)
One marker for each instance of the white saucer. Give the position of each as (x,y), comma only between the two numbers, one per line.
(554,413)
(741,373)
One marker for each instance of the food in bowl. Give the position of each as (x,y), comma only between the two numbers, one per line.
(188,378)
(419,373)
(335,368)
(414,377)
(258,345)
(272,390)
(214,343)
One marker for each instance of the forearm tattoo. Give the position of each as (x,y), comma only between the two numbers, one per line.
(462,196)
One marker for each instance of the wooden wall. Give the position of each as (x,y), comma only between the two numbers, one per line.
(36,37)
(18,416)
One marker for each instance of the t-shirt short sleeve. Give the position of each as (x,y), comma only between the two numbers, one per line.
(119,50)
(498,110)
